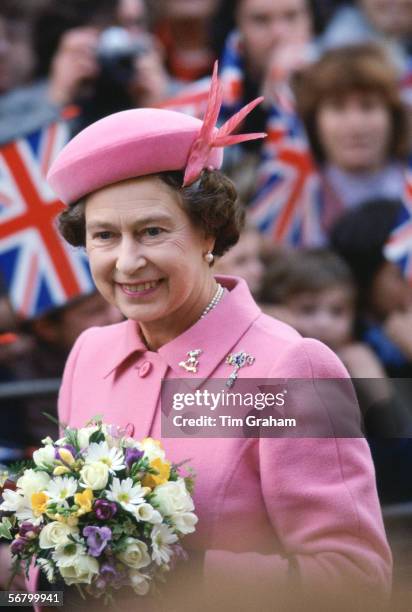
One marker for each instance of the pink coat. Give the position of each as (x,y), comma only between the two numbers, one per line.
(267,508)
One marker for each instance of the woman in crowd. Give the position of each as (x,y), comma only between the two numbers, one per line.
(356,125)
(278,518)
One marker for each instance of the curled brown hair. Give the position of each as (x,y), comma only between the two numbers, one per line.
(356,68)
(211,204)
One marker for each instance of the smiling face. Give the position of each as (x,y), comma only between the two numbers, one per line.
(146,257)
(355,131)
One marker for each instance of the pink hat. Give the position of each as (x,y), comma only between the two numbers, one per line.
(145,141)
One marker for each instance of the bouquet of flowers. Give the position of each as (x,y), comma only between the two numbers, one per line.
(99,510)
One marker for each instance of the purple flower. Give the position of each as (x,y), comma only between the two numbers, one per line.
(18,545)
(116,577)
(133,455)
(97,538)
(104,509)
(28,530)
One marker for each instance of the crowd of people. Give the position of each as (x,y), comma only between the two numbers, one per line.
(322,193)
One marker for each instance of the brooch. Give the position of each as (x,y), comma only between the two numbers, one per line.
(238,360)
(191,363)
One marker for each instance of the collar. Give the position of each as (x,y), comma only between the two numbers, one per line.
(215,334)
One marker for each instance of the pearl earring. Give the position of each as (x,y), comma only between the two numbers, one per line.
(209,257)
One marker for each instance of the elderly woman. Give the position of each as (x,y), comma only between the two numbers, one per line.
(146,199)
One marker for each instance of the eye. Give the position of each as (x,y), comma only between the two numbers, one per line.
(153,231)
(105,235)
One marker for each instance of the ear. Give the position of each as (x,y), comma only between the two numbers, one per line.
(210,243)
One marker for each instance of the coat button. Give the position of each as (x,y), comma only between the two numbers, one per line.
(144,369)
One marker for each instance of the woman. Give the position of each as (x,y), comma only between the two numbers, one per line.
(347,142)
(274,515)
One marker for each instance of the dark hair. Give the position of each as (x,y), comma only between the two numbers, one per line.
(355,68)
(305,270)
(211,204)
(360,235)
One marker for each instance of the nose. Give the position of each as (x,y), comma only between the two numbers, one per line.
(130,258)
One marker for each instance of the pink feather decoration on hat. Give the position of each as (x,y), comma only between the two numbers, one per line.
(210,137)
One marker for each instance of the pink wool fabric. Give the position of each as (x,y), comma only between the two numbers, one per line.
(268,508)
(124,145)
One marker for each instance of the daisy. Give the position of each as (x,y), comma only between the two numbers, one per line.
(162,536)
(66,555)
(126,494)
(60,488)
(112,457)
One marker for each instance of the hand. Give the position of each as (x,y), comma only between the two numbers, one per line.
(398,328)
(74,64)
(151,83)
(286,59)
(19,582)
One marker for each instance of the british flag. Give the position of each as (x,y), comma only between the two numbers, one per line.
(398,248)
(287,205)
(39,270)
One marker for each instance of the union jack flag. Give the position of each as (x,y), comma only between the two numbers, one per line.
(287,205)
(39,270)
(398,248)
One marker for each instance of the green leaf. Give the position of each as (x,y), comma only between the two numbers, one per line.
(5,527)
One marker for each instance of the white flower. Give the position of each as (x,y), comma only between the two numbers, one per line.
(173,497)
(94,475)
(184,521)
(135,555)
(162,536)
(82,572)
(140,582)
(33,482)
(112,457)
(126,494)
(146,512)
(55,534)
(60,488)
(47,567)
(66,555)
(44,456)
(47,440)
(152,449)
(83,435)
(12,501)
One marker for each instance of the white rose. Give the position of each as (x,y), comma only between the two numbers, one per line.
(95,475)
(83,435)
(140,582)
(136,554)
(82,571)
(33,482)
(185,521)
(152,449)
(44,456)
(55,534)
(146,512)
(173,497)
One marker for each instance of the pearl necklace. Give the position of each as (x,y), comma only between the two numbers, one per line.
(214,301)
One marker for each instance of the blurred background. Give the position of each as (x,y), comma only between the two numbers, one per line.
(327,245)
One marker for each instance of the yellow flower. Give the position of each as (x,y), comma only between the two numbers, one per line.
(163,473)
(60,470)
(66,456)
(39,503)
(72,520)
(84,500)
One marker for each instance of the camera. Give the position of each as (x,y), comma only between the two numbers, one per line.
(116,52)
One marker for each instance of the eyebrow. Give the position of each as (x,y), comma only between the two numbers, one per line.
(93,225)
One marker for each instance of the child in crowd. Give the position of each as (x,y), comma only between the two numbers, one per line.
(316,294)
